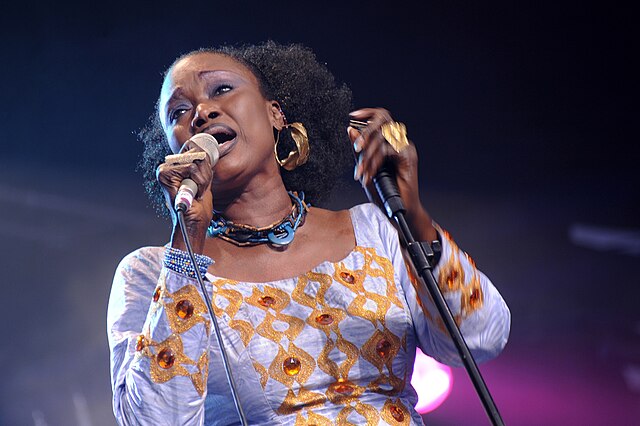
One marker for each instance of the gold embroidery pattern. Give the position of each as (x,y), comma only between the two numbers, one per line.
(318,305)
(395,413)
(325,363)
(272,301)
(312,419)
(264,375)
(367,411)
(372,352)
(175,361)
(173,343)
(387,385)
(343,392)
(226,300)
(354,281)
(244,328)
(368,305)
(357,308)
(199,378)
(265,329)
(452,278)
(387,273)
(307,365)
(161,289)
(295,325)
(280,299)
(371,292)
(337,315)
(299,294)
(352,353)
(304,399)
(471,298)
(380,350)
(190,293)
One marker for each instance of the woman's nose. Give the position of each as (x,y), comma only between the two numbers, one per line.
(203,114)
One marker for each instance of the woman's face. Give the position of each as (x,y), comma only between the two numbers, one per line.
(215,94)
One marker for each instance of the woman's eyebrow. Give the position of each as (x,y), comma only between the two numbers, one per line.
(207,73)
(176,94)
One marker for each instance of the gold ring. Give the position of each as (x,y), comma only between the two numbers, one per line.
(395,134)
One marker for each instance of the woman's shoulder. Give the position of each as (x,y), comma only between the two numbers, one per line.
(365,222)
(133,284)
(368,212)
(143,257)
(139,266)
(369,219)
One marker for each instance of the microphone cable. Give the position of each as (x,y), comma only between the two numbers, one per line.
(214,321)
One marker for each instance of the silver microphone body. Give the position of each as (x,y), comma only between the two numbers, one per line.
(188,188)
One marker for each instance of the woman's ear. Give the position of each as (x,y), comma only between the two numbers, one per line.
(278,119)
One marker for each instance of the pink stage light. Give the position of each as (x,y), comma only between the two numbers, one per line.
(432,381)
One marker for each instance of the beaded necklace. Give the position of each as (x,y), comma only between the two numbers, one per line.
(279,234)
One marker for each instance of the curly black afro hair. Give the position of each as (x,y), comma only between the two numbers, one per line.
(307,93)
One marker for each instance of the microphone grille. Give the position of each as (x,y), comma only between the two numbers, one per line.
(209,144)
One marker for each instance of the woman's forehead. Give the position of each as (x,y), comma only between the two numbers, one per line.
(193,67)
(199,63)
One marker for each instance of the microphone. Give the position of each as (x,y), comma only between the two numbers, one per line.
(387,188)
(384,180)
(188,188)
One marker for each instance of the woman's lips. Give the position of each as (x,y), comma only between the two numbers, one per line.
(225,147)
(224,135)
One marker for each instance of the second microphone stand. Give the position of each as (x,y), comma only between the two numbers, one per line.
(421,255)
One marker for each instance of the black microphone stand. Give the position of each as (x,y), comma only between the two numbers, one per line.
(180,209)
(421,255)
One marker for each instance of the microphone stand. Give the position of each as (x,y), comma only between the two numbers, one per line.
(180,209)
(421,255)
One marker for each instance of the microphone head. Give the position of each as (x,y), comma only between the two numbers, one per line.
(209,144)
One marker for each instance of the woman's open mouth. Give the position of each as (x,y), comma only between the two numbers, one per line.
(224,135)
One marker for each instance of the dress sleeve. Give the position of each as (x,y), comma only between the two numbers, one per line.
(158,329)
(477,306)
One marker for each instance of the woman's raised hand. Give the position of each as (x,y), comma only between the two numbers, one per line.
(198,217)
(373,150)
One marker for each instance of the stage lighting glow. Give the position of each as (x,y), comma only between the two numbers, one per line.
(432,381)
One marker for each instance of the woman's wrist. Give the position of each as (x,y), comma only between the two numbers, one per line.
(420,223)
(179,261)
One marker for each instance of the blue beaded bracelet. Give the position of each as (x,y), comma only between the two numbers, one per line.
(179,261)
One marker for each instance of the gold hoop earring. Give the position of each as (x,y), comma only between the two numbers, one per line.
(298,133)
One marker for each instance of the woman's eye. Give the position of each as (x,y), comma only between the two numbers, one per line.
(176,114)
(223,88)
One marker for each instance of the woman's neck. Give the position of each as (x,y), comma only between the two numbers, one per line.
(257,205)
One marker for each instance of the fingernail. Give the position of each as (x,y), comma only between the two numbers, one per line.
(356,146)
(358,173)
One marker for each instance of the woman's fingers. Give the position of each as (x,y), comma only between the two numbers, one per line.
(371,146)
(372,156)
(373,150)
(171,176)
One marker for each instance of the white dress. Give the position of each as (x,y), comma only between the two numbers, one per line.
(333,346)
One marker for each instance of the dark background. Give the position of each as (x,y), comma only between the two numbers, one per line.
(525,118)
